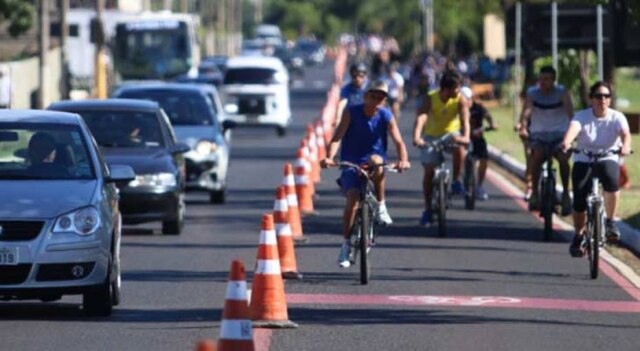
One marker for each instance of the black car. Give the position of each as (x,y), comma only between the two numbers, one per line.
(219,60)
(138,133)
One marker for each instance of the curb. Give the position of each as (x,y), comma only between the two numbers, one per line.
(630,236)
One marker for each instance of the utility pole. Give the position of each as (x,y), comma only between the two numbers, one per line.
(518,64)
(100,71)
(427,23)
(63,6)
(43,49)
(258,13)
(168,5)
(554,34)
(184,6)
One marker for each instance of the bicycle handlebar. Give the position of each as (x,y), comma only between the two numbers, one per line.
(596,154)
(391,167)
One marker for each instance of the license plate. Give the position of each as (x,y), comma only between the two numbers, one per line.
(8,256)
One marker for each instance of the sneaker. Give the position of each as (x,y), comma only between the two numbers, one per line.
(425,220)
(457,188)
(577,248)
(612,231)
(383,216)
(481,194)
(533,202)
(566,205)
(343,258)
(527,194)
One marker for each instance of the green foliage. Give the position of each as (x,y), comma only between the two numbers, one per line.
(20,14)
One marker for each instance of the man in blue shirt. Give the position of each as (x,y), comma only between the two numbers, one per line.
(363,133)
(352,93)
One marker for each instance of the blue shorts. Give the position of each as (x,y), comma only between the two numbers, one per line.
(349,179)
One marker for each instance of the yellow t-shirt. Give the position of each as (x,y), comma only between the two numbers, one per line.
(443,117)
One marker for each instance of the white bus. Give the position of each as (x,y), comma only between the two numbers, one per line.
(156,46)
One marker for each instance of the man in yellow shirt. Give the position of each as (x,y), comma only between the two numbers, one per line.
(443,111)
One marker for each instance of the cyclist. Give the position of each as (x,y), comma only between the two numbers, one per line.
(395,81)
(352,93)
(597,128)
(363,133)
(549,108)
(477,115)
(442,112)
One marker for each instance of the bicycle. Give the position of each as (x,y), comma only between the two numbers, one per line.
(365,228)
(547,189)
(441,181)
(595,237)
(470,180)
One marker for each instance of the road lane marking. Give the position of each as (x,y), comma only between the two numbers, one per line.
(468,301)
(622,275)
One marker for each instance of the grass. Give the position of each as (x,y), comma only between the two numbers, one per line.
(506,139)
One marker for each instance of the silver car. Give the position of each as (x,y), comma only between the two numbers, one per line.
(59,216)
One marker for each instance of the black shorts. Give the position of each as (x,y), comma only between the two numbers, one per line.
(608,172)
(479,148)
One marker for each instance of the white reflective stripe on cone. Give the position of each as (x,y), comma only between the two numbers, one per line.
(268,237)
(288,180)
(292,200)
(236,290)
(236,329)
(268,267)
(301,180)
(283,229)
(280,205)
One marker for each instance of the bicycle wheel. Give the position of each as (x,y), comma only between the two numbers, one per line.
(366,226)
(355,238)
(598,228)
(469,182)
(442,207)
(547,205)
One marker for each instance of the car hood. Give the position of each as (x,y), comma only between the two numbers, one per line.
(44,199)
(143,161)
(191,135)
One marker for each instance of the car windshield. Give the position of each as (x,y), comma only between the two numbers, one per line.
(183,108)
(30,151)
(250,76)
(130,129)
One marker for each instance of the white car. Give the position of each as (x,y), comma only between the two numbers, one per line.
(256,91)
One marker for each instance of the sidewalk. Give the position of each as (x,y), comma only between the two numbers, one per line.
(630,236)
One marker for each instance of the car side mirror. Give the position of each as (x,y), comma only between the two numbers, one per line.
(227,124)
(121,175)
(180,148)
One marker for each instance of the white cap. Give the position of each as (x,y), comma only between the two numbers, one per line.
(466,92)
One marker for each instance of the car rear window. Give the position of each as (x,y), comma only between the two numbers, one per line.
(250,76)
(183,108)
(130,129)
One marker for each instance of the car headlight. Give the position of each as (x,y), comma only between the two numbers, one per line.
(205,148)
(83,221)
(154,180)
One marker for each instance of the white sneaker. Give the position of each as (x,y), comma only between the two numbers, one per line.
(481,194)
(343,258)
(383,215)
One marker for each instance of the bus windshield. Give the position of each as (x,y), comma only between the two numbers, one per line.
(152,49)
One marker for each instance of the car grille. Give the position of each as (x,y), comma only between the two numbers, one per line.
(252,104)
(65,271)
(20,230)
(10,275)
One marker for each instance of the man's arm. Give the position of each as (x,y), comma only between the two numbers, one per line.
(341,106)
(421,120)
(567,104)
(394,131)
(570,135)
(625,136)
(334,144)
(524,118)
(463,114)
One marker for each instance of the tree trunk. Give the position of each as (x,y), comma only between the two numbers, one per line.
(585,72)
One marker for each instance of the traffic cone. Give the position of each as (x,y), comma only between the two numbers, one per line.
(322,149)
(236,333)
(312,142)
(303,190)
(268,304)
(206,345)
(292,203)
(286,252)
(306,151)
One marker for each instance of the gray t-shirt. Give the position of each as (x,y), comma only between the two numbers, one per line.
(547,111)
(599,134)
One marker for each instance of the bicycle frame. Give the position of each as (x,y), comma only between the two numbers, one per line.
(440,183)
(547,190)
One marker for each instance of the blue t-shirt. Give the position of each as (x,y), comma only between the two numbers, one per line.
(366,135)
(354,95)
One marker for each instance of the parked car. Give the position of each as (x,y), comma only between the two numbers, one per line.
(138,133)
(293,61)
(60,223)
(257,92)
(194,111)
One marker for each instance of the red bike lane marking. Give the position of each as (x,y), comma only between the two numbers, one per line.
(605,267)
(468,301)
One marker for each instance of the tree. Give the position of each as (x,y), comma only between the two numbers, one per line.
(19,13)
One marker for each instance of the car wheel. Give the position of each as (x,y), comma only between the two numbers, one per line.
(99,302)
(175,226)
(218,196)
(282,131)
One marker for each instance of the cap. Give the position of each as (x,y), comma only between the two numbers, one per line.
(466,92)
(378,85)
(358,67)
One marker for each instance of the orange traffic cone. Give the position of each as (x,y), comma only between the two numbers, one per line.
(206,345)
(292,203)
(236,333)
(322,149)
(268,303)
(306,151)
(303,190)
(286,252)
(312,143)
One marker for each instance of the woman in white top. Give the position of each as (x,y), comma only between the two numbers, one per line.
(597,128)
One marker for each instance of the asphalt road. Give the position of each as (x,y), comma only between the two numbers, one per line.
(492,284)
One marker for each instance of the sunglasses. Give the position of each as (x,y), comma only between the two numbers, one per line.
(378,96)
(359,74)
(601,96)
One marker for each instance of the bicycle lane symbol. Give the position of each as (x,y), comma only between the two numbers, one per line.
(457,300)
